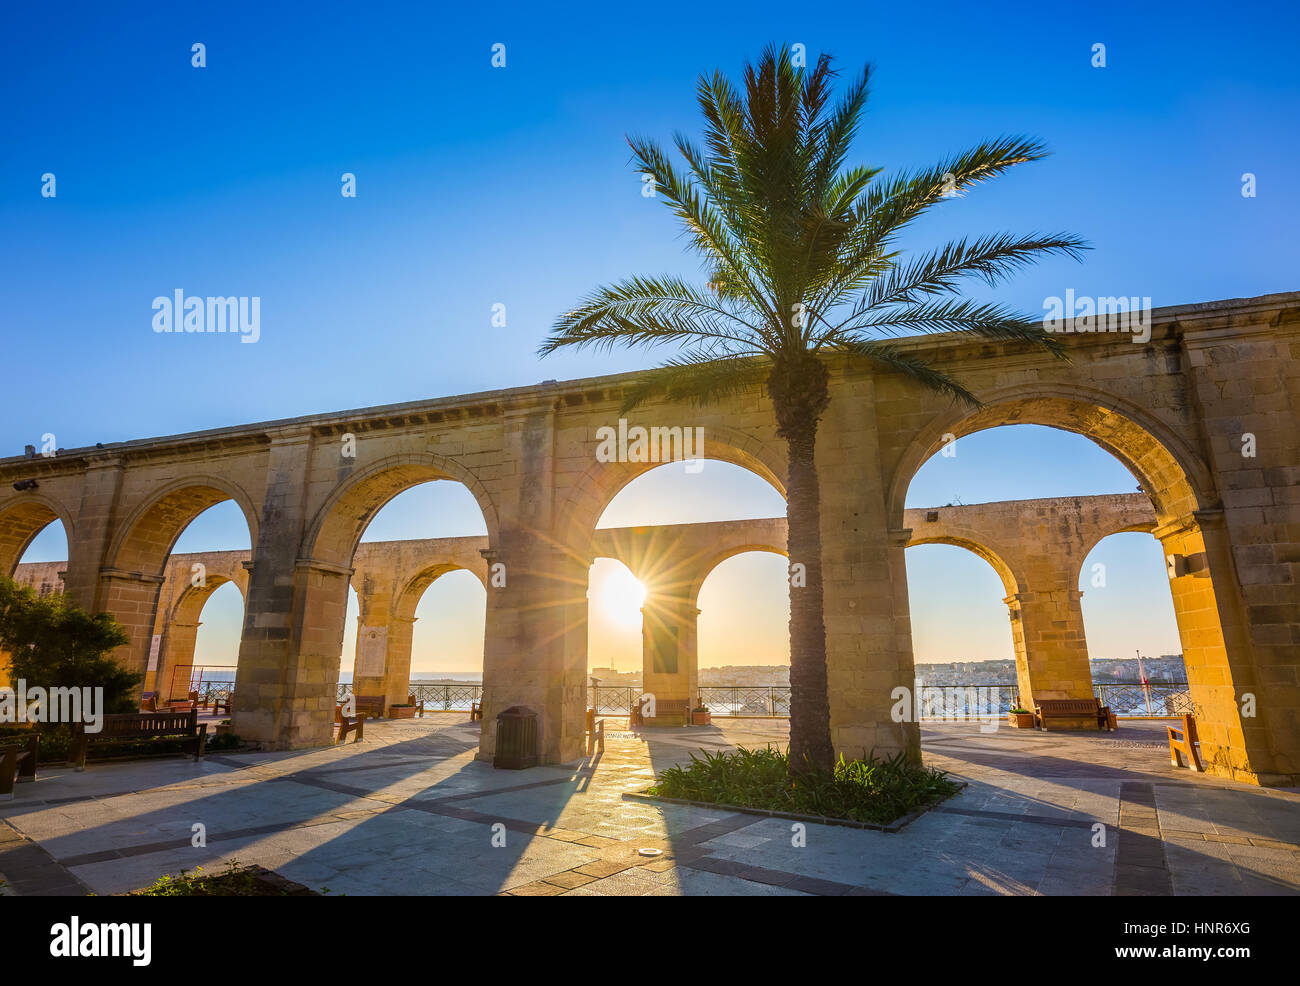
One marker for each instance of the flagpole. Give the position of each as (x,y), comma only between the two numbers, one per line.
(1146,685)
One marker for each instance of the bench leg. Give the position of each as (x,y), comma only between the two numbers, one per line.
(8,768)
(27,769)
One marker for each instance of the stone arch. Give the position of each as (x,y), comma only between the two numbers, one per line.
(1207,602)
(1100,535)
(1172,474)
(131,583)
(145,538)
(970,541)
(410,594)
(21,519)
(590,493)
(339,524)
(180,624)
(708,566)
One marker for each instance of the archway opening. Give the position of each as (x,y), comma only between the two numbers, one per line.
(1133,646)
(961,638)
(34,552)
(1152,473)
(173,551)
(199,619)
(744,636)
(416,603)
(655,545)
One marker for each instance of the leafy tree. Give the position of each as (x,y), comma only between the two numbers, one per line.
(52,643)
(802,259)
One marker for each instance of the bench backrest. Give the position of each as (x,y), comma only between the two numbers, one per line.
(370,704)
(1068,706)
(132,725)
(671,706)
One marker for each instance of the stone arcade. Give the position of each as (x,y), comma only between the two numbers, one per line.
(1205,414)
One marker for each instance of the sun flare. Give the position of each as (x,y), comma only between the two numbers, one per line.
(621,598)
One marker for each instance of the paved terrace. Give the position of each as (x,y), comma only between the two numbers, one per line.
(409,811)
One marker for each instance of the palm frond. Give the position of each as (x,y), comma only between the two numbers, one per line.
(649,311)
(699,377)
(989,321)
(910,365)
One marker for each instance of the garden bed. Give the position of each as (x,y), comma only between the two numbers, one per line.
(875,794)
(236,881)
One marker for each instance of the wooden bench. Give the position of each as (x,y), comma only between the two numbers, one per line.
(149,702)
(349,724)
(475,711)
(371,705)
(419,706)
(134,726)
(17,761)
(221,703)
(1185,742)
(1071,708)
(668,712)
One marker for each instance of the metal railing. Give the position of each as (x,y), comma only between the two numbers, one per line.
(746,700)
(933,701)
(453,697)
(1159,698)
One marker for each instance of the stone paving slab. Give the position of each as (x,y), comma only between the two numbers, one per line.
(410,811)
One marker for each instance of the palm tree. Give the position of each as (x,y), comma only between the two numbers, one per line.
(802,263)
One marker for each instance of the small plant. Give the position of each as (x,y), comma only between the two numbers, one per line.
(237,881)
(1017,711)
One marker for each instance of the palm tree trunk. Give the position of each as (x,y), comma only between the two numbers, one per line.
(800,394)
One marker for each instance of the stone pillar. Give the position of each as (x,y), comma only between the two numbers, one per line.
(1218,685)
(371,669)
(1243,376)
(535,640)
(88,541)
(868,636)
(670,649)
(132,597)
(1051,648)
(287,678)
(535,645)
(178,642)
(396,686)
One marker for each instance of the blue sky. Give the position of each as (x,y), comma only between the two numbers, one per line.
(478,186)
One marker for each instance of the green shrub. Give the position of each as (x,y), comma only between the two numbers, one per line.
(872,790)
(52,643)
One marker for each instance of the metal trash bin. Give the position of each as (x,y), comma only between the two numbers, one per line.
(516,739)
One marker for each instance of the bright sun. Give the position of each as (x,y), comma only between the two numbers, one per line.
(621,597)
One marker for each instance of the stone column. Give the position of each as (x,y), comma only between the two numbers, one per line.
(1243,374)
(178,642)
(535,640)
(396,686)
(535,645)
(1051,648)
(88,541)
(372,666)
(287,679)
(670,649)
(1218,685)
(868,637)
(132,597)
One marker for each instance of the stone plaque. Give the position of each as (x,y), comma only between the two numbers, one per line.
(372,652)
